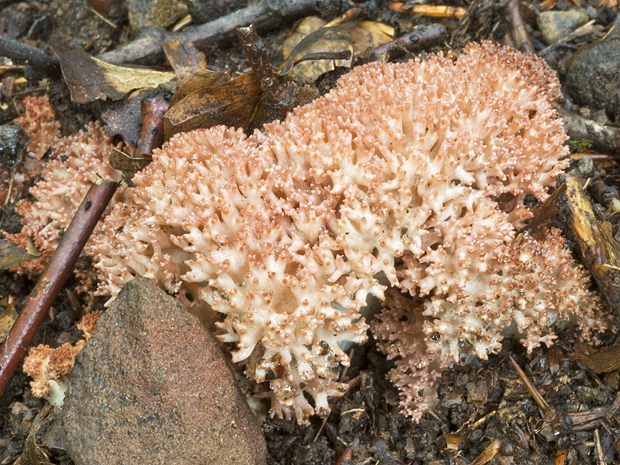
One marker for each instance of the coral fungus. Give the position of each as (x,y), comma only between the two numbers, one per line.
(410,174)
(49,367)
(73,163)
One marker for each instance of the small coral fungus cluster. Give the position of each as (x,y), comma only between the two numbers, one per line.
(405,176)
(49,367)
(65,167)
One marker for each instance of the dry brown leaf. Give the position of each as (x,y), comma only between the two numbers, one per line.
(8,315)
(129,165)
(560,457)
(305,27)
(605,360)
(487,454)
(90,79)
(311,38)
(232,103)
(368,34)
(452,442)
(33,453)
(190,67)
(11,255)
(124,117)
(325,40)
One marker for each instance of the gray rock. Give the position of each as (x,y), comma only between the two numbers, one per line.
(152,386)
(556,24)
(155,13)
(593,78)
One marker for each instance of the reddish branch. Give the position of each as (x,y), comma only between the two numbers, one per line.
(53,278)
(152,134)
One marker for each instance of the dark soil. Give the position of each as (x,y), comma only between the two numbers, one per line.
(484,415)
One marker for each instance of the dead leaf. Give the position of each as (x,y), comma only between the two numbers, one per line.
(232,103)
(124,117)
(478,393)
(11,255)
(34,454)
(605,360)
(452,442)
(184,57)
(127,164)
(8,315)
(190,67)
(311,39)
(322,41)
(305,27)
(368,34)
(560,457)
(90,79)
(487,454)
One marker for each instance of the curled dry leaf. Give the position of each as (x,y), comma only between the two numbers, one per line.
(124,162)
(605,360)
(124,117)
(41,434)
(206,98)
(487,454)
(324,40)
(232,103)
(8,315)
(11,255)
(90,79)
(312,39)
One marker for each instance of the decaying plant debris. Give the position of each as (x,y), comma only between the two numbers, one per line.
(557,405)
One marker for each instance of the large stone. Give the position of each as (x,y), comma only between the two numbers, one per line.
(152,386)
(554,25)
(593,78)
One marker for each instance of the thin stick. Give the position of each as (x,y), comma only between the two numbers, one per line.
(148,48)
(44,64)
(605,138)
(517,27)
(420,38)
(540,400)
(53,278)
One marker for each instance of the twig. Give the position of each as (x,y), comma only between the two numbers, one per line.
(421,38)
(586,420)
(536,395)
(599,448)
(44,64)
(517,27)
(346,455)
(277,99)
(53,278)
(579,32)
(594,238)
(148,47)
(152,134)
(605,138)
